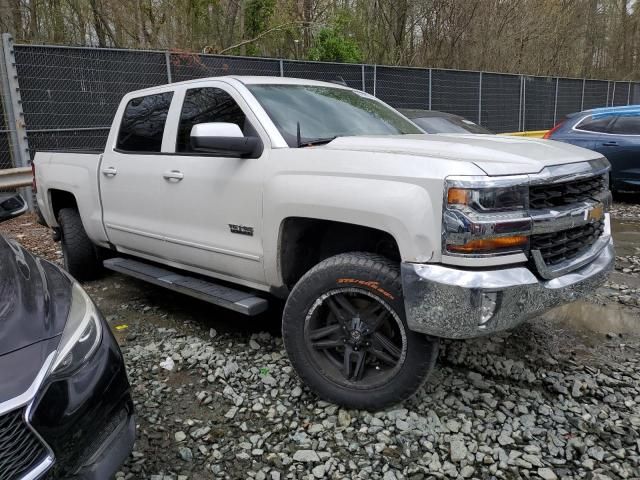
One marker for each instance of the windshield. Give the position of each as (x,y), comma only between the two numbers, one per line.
(326,113)
(449,125)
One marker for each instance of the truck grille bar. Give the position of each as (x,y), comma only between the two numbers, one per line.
(557,247)
(566,193)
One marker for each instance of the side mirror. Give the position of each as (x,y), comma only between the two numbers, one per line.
(224,139)
(11,205)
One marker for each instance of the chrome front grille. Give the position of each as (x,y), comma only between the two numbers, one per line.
(552,195)
(557,247)
(20,449)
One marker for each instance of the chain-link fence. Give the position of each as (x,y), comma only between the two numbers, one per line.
(7,128)
(6,133)
(69,95)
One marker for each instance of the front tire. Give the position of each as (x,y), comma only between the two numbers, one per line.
(345,331)
(80,255)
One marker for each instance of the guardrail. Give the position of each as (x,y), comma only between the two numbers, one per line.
(16,177)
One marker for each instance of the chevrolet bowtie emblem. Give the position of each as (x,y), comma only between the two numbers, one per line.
(594,214)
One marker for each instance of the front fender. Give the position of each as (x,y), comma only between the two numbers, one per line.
(404,210)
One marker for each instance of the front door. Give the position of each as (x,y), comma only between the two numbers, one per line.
(622,149)
(212,205)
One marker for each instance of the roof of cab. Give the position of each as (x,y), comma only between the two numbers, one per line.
(246,80)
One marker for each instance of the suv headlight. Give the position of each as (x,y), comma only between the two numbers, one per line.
(81,336)
(486,218)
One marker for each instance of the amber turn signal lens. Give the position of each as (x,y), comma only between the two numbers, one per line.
(458,196)
(479,246)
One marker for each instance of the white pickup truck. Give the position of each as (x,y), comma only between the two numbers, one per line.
(382,239)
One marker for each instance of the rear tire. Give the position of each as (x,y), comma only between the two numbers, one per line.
(345,331)
(80,255)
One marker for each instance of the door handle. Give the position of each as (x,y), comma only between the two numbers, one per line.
(109,172)
(176,175)
(610,144)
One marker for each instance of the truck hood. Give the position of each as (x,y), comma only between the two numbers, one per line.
(494,154)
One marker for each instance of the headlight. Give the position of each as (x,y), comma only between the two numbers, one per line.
(81,336)
(498,199)
(486,218)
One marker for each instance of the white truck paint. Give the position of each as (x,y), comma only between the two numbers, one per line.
(186,210)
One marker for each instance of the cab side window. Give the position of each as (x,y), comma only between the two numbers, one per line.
(626,125)
(204,105)
(143,122)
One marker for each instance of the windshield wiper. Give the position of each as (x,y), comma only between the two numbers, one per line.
(312,141)
(316,141)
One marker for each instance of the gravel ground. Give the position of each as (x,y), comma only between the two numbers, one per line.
(216,397)
(626,207)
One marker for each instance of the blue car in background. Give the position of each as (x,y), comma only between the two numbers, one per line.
(615,133)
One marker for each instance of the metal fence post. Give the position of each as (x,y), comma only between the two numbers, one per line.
(521,109)
(430,76)
(613,94)
(281,68)
(555,102)
(584,81)
(15,115)
(629,94)
(167,59)
(364,87)
(375,78)
(480,100)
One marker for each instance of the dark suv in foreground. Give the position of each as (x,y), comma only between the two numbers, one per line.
(65,403)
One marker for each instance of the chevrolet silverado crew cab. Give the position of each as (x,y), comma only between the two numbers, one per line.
(382,239)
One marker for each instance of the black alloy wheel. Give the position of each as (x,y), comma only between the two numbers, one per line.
(345,332)
(355,338)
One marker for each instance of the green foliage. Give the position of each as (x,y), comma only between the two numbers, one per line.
(331,45)
(257,15)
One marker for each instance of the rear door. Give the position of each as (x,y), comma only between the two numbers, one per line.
(131,181)
(622,149)
(586,132)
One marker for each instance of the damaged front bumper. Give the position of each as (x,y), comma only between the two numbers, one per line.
(454,303)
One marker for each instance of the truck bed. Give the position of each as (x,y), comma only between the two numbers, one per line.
(75,172)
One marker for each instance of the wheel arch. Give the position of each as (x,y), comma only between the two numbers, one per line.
(306,241)
(59,199)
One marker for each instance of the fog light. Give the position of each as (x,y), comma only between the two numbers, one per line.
(487,307)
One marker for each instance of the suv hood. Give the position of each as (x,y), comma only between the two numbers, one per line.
(494,154)
(35,297)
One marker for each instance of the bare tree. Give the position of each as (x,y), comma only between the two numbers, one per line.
(598,38)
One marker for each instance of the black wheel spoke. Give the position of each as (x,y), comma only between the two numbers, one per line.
(325,331)
(388,345)
(370,310)
(382,356)
(336,311)
(354,363)
(360,366)
(325,344)
(345,304)
(377,321)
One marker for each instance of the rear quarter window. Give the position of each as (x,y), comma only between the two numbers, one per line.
(590,124)
(142,124)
